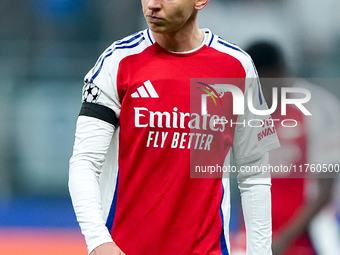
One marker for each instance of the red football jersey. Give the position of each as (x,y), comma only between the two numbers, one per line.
(151,202)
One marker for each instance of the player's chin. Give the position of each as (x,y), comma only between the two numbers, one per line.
(157,28)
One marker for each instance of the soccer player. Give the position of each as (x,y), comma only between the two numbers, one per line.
(300,203)
(140,136)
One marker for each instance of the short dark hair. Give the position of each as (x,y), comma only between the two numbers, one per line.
(266,55)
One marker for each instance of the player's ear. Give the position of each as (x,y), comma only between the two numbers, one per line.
(200,4)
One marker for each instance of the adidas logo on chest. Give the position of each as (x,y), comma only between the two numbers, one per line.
(145,91)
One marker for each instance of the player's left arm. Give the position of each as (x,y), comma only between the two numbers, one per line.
(256,205)
(250,152)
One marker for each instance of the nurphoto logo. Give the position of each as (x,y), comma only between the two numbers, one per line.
(240,101)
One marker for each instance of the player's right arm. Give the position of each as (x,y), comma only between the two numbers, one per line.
(92,141)
(94,133)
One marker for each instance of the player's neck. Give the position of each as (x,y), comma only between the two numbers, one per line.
(180,41)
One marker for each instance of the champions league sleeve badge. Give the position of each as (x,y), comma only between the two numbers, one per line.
(91,93)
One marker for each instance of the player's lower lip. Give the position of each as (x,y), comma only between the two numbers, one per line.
(153,19)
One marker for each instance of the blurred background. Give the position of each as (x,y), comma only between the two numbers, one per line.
(46,48)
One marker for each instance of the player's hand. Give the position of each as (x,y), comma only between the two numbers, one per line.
(107,249)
